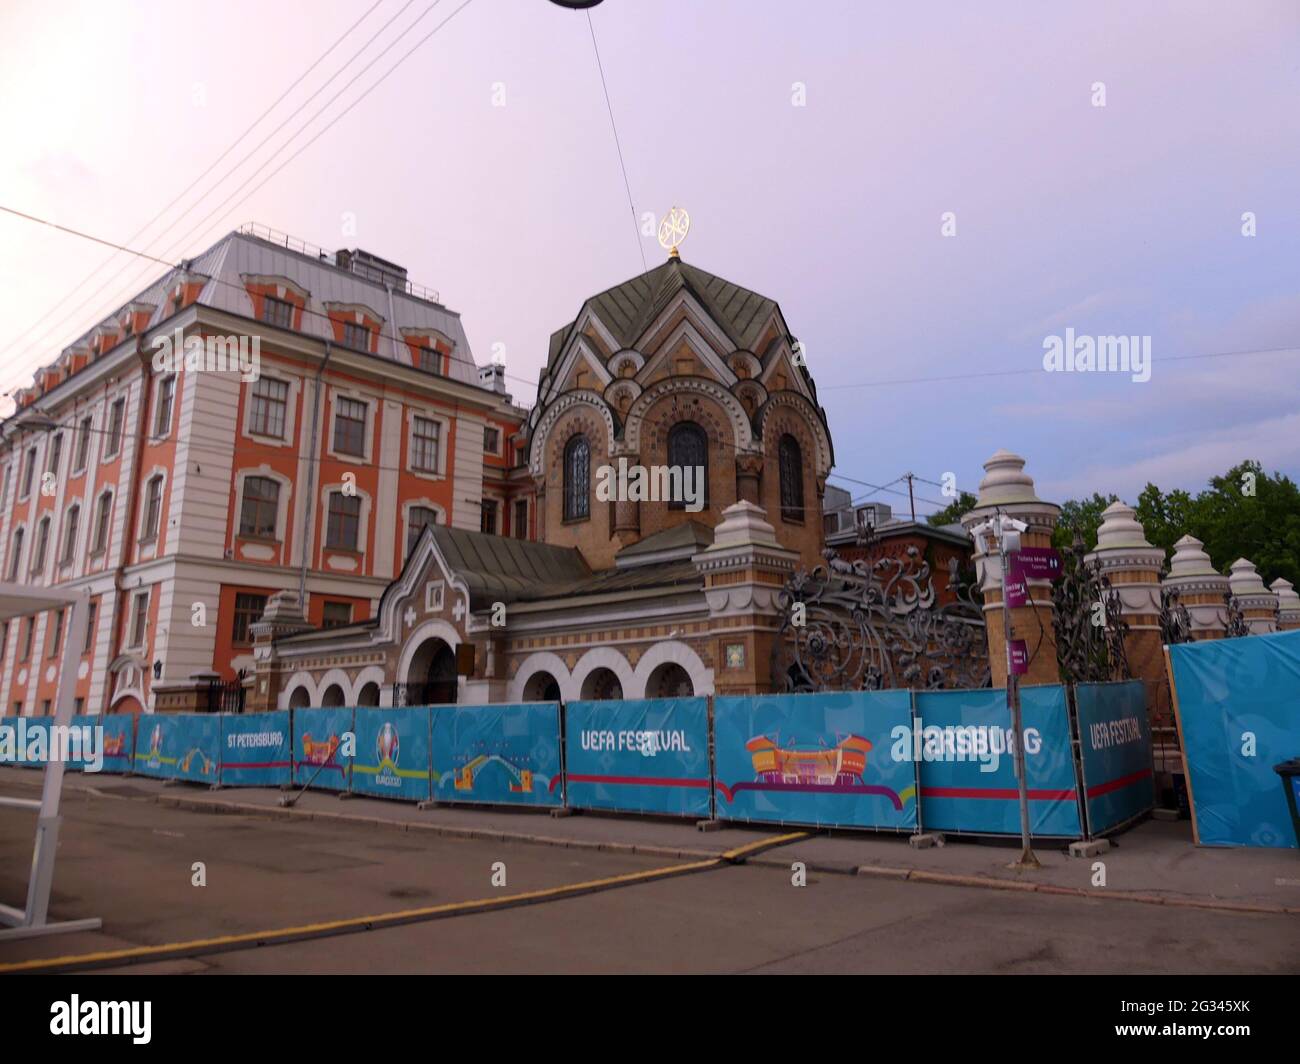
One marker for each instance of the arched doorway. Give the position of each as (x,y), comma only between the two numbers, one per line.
(333,696)
(601,685)
(542,687)
(368,695)
(431,677)
(300,698)
(669,680)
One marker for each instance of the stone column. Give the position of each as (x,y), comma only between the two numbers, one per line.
(283,616)
(744,570)
(1008,489)
(1258,604)
(1200,588)
(1133,567)
(627,513)
(1288,616)
(749,468)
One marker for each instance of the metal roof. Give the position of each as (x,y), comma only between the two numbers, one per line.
(501,569)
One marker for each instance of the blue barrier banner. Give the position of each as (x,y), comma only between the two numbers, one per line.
(392,752)
(824,759)
(24,741)
(185,746)
(255,749)
(318,757)
(1115,743)
(649,756)
(507,754)
(119,738)
(964,744)
(1238,703)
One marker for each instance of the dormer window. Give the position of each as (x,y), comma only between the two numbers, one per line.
(356,336)
(429,359)
(277,312)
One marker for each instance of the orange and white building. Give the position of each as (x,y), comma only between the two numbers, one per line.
(180,498)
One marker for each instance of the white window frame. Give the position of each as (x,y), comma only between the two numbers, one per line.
(155,436)
(46,523)
(363,521)
(68,551)
(368,437)
(13,561)
(282,503)
(89,421)
(444,443)
(108,455)
(290,414)
(143,537)
(407,507)
(146,594)
(94,551)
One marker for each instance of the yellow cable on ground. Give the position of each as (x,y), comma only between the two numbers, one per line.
(251,939)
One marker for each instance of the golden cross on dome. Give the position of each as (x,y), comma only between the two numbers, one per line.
(673,230)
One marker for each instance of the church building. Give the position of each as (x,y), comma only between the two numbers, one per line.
(617,595)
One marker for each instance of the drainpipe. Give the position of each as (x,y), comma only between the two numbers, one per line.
(392,325)
(310,509)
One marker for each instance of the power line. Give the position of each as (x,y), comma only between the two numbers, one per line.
(86,236)
(1024,371)
(177,244)
(212,166)
(617,144)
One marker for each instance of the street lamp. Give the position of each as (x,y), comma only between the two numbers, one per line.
(1005,531)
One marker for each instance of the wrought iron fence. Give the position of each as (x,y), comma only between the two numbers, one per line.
(868,625)
(1088,620)
(227,696)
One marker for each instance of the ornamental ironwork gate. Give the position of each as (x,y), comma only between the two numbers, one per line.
(869,625)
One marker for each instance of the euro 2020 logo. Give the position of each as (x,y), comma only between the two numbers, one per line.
(388,748)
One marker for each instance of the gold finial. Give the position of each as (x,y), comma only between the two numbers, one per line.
(673,230)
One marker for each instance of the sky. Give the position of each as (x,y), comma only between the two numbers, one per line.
(1091,162)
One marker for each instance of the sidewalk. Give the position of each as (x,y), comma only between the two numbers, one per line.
(1154,862)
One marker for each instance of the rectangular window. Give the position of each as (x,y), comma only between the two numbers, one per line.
(139,618)
(16,551)
(419,517)
(152,507)
(356,336)
(116,423)
(29,625)
(78,707)
(491,441)
(4,488)
(71,526)
(45,707)
(248,608)
(430,360)
(261,507)
(344,524)
(350,426)
(166,393)
(270,403)
(55,456)
(521,456)
(103,509)
(29,468)
(488,523)
(277,312)
(336,614)
(83,445)
(425,440)
(521,519)
(42,543)
(56,637)
(91,611)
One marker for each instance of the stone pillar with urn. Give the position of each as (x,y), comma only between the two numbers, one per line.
(1200,587)
(744,570)
(1288,604)
(282,617)
(1259,605)
(1008,489)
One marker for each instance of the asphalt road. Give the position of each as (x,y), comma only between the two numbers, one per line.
(132,863)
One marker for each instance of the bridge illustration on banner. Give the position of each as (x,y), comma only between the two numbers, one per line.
(522,779)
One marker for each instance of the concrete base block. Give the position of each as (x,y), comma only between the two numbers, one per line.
(1089,847)
(1164,814)
(562,812)
(925,841)
(709,825)
(344,796)
(423,806)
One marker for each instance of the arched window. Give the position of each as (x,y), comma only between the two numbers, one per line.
(577,479)
(688,456)
(790,460)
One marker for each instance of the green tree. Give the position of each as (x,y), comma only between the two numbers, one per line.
(1165,518)
(952,513)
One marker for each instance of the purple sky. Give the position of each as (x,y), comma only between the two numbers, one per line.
(1123,219)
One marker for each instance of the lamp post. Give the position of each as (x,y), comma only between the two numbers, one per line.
(1006,533)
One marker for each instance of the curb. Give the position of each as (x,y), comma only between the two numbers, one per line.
(992,883)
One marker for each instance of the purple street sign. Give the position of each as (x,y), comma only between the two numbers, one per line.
(1017,591)
(1018,656)
(1040,563)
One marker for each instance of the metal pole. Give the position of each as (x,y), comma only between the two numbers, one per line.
(1027,858)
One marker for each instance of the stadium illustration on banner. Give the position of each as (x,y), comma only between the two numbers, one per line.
(838,769)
